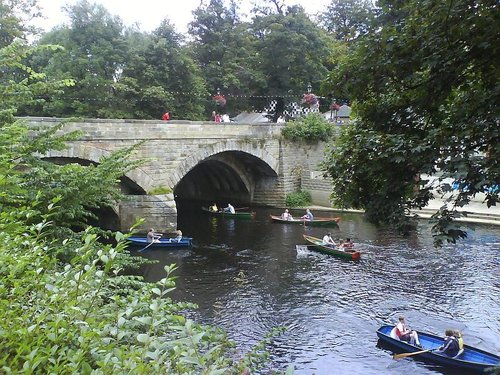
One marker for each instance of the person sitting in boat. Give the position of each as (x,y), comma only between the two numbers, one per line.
(347,244)
(400,332)
(450,347)
(308,216)
(286,215)
(460,339)
(152,236)
(328,240)
(230,209)
(214,208)
(179,236)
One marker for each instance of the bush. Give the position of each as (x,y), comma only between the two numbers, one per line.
(298,199)
(160,190)
(313,127)
(83,317)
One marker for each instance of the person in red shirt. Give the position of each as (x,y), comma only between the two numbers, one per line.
(166,116)
(402,333)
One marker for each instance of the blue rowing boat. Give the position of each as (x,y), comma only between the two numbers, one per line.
(471,358)
(164,242)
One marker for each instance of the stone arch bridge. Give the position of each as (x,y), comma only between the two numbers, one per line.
(245,164)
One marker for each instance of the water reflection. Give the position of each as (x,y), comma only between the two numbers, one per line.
(248,277)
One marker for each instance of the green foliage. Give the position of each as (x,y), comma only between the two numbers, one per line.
(425,93)
(226,51)
(299,198)
(95,53)
(78,188)
(347,19)
(292,50)
(79,316)
(160,190)
(15,20)
(21,84)
(311,128)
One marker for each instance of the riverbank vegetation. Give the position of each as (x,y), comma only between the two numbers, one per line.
(424,84)
(299,198)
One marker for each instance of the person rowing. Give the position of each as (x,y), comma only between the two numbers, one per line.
(230,209)
(347,244)
(328,240)
(451,345)
(152,236)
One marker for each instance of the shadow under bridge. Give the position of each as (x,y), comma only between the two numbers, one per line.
(230,176)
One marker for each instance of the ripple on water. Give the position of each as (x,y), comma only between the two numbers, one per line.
(248,278)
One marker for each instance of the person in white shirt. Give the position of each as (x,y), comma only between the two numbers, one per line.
(286,215)
(400,332)
(230,208)
(328,240)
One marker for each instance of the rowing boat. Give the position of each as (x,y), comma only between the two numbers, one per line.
(318,221)
(471,358)
(317,244)
(237,214)
(163,242)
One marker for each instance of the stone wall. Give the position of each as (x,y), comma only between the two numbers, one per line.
(159,212)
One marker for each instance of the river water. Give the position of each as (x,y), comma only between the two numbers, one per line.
(247,278)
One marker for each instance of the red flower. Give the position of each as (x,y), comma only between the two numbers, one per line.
(310,99)
(219,100)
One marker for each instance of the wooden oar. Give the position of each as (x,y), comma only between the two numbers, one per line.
(241,208)
(404,355)
(141,250)
(152,242)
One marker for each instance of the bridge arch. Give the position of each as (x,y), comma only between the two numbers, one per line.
(137,180)
(224,171)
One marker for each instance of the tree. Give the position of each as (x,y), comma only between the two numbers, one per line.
(347,19)
(292,51)
(425,87)
(15,20)
(94,56)
(165,65)
(226,53)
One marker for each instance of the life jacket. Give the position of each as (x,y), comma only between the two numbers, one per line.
(399,332)
(460,340)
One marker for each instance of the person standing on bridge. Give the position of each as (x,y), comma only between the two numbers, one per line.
(166,116)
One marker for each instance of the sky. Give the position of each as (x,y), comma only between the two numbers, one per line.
(149,13)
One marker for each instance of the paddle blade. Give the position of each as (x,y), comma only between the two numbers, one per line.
(404,355)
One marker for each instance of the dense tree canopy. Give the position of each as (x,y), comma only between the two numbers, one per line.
(425,86)
(126,73)
(16,18)
(348,19)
